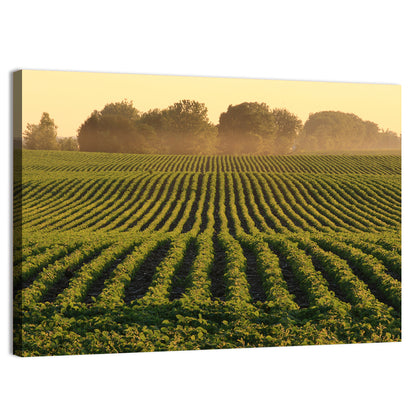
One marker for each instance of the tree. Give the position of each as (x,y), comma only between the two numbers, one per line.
(147,139)
(254,128)
(156,120)
(116,128)
(187,128)
(243,128)
(41,136)
(335,130)
(108,133)
(287,123)
(183,128)
(288,126)
(123,109)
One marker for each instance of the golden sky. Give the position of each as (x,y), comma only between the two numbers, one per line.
(70,97)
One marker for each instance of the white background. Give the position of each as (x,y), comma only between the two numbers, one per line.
(355,41)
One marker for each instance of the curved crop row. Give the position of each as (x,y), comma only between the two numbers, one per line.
(310,280)
(354,289)
(368,266)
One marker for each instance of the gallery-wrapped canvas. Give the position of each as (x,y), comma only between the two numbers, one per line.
(158,213)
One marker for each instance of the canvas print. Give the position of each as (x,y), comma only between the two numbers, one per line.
(161,213)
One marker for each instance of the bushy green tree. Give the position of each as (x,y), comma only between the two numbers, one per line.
(123,109)
(183,128)
(243,127)
(156,119)
(188,129)
(288,126)
(41,136)
(116,129)
(335,130)
(250,128)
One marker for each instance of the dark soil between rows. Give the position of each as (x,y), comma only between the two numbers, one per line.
(293,218)
(143,183)
(163,204)
(217,224)
(134,187)
(59,286)
(175,222)
(254,279)
(390,270)
(96,197)
(378,293)
(133,203)
(181,280)
(230,219)
(256,196)
(204,215)
(162,183)
(216,274)
(301,298)
(250,209)
(191,218)
(241,217)
(142,278)
(331,284)
(169,193)
(33,273)
(98,284)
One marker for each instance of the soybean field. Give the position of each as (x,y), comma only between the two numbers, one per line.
(128,253)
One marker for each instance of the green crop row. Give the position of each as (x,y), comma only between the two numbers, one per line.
(100,162)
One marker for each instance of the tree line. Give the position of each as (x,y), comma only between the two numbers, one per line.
(184,128)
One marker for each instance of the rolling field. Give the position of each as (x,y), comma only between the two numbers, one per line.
(124,253)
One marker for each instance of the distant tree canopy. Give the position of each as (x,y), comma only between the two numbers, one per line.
(41,136)
(249,128)
(116,128)
(181,128)
(245,128)
(288,127)
(123,109)
(335,130)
